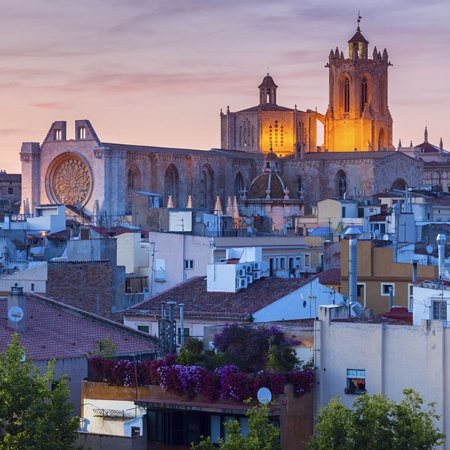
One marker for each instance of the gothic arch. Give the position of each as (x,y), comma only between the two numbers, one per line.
(207,188)
(341,183)
(133,184)
(382,140)
(239,185)
(345,92)
(171,185)
(399,184)
(366,90)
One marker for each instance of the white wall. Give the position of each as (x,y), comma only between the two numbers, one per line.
(301,304)
(394,357)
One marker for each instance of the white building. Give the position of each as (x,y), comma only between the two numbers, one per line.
(382,356)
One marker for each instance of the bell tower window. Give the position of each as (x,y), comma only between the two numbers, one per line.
(364,97)
(346,95)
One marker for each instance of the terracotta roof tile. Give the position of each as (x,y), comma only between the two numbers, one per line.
(55,330)
(221,305)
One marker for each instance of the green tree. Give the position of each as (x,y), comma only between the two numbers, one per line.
(262,435)
(105,348)
(33,416)
(377,423)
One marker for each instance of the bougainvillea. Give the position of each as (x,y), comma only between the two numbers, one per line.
(228,382)
(249,347)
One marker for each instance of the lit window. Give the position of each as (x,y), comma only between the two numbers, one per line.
(188,263)
(58,135)
(82,133)
(439,310)
(356,381)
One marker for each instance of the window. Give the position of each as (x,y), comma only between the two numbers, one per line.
(439,310)
(32,286)
(188,263)
(364,95)
(186,335)
(346,95)
(82,133)
(58,135)
(356,381)
(144,328)
(307,260)
(410,297)
(10,191)
(386,289)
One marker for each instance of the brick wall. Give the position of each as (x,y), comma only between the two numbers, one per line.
(86,285)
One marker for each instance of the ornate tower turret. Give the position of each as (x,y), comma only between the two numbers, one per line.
(267,91)
(358,117)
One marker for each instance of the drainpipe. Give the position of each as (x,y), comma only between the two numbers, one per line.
(414,274)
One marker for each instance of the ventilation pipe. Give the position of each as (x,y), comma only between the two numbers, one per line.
(17,309)
(172,326)
(440,239)
(352,233)
(182,324)
(414,274)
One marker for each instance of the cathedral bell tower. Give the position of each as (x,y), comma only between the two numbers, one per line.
(358,117)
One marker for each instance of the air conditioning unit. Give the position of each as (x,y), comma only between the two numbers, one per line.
(241,272)
(242,283)
(256,265)
(249,267)
(249,279)
(256,275)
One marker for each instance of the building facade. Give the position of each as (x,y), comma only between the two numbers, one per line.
(98,179)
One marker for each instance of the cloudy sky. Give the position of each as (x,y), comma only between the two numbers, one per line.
(158,72)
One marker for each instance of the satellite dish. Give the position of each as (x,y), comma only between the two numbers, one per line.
(15,314)
(264,395)
(430,248)
(264,266)
(385,237)
(198,219)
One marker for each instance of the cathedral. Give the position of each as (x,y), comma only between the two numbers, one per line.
(261,145)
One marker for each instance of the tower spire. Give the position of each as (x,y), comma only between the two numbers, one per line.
(359,20)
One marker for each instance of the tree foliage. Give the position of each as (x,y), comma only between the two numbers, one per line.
(377,423)
(253,348)
(262,434)
(33,416)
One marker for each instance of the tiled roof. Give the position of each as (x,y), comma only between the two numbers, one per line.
(330,277)
(220,305)
(55,330)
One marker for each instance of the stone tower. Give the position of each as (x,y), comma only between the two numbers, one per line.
(269,126)
(358,117)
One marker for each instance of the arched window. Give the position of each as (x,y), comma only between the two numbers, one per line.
(207,187)
(132,185)
(346,95)
(239,185)
(341,184)
(364,93)
(399,184)
(382,144)
(171,185)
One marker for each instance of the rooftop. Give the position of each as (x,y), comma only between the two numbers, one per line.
(220,305)
(55,330)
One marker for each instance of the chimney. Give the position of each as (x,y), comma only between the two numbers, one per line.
(17,309)
(440,239)
(352,233)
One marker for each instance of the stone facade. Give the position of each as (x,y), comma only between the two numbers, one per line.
(100,178)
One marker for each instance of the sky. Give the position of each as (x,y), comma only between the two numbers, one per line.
(158,72)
